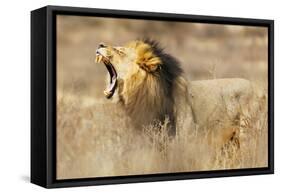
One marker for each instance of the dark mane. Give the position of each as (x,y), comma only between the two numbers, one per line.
(167,74)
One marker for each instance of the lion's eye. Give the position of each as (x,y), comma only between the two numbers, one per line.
(122,53)
(119,51)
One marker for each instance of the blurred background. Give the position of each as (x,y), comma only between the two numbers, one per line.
(206,51)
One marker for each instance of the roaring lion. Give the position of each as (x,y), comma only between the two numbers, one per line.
(150,87)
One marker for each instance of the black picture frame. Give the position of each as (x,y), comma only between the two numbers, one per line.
(43,96)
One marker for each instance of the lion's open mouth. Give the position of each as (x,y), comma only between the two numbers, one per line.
(109,91)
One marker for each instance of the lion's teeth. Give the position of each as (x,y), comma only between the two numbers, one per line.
(98,58)
(106,93)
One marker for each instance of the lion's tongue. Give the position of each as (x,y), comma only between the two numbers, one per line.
(113,80)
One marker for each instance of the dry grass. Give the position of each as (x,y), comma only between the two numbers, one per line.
(97,140)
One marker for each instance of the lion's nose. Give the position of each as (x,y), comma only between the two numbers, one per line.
(101,45)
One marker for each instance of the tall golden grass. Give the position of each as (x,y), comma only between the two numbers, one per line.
(97,141)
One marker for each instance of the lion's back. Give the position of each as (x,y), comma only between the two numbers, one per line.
(219,99)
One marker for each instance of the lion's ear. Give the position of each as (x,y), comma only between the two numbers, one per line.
(146,59)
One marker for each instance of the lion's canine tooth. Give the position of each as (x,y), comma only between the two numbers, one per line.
(98,58)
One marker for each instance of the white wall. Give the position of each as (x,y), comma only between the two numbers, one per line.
(15,94)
